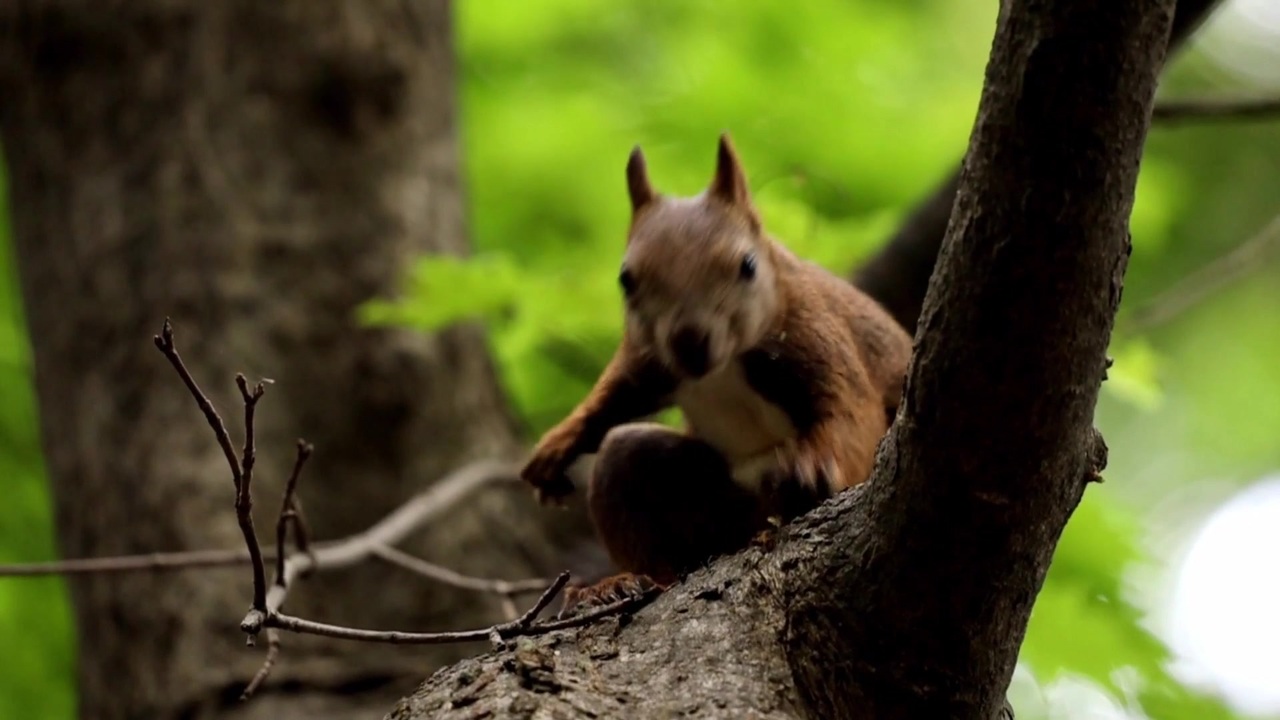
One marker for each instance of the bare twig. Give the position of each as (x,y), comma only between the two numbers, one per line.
(244,496)
(287,507)
(1171,111)
(410,516)
(268,663)
(282,525)
(389,531)
(456,579)
(586,618)
(164,342)
(329,554)
(377,541)
(544,600)
(1197,286)
(301,531)
(509,608)
(192,559)
(504,631)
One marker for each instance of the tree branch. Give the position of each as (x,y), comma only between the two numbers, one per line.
(287,503)
(332,554)
(188,560)
(265,614)
(244,496)
(520,627)
(1194,288)
(1168,112)
(456,579)
(994,443)
(241,473)
(898,275)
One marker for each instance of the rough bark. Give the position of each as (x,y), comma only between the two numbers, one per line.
(909,596)
(898,274)
(254,170)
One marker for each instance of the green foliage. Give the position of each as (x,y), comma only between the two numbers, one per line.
(1134,376)
(39,679)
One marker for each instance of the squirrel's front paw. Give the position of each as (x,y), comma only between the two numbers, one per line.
(615,588)
(813,470)
(802,479)
(546,468)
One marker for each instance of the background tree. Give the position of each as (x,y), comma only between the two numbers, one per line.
(255,171)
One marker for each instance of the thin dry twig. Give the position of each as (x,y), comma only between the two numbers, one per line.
(1196,287)
(328,554)
(521,627)
(244,496)
(186,560)
(509,610)
(282,525)
(301,530)
(456,579)
(1169,111)
(377,541)
(164,342)
(390,531)
(268,663)
(288,509)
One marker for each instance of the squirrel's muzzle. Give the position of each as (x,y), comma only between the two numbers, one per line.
(691,348)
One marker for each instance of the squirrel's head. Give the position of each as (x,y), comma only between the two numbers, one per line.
(698,273)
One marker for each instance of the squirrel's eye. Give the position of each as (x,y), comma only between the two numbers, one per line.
(627,281)
(748,269)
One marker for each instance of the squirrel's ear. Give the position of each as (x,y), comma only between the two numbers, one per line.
(730,183)
(638,181)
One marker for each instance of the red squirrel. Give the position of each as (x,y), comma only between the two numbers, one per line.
(786,375)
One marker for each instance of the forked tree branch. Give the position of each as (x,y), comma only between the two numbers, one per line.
(241,473)
(265,611)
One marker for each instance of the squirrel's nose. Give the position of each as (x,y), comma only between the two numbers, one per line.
(691,347)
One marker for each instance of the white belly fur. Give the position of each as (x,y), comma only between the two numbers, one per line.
(726,412)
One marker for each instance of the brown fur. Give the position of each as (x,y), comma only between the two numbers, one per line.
(788,377)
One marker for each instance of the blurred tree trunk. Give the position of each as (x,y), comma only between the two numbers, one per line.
(254,171)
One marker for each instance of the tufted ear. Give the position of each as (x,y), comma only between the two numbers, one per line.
(638,186)
(729,183)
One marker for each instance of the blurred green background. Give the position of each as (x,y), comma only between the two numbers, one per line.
(845,113)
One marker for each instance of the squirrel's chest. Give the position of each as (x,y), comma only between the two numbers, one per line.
(725,411)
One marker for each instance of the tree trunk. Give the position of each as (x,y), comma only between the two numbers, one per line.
(253,170)
(909,596)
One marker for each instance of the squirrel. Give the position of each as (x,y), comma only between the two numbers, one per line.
(787,377)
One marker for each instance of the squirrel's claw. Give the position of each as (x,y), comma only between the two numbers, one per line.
(611,589)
